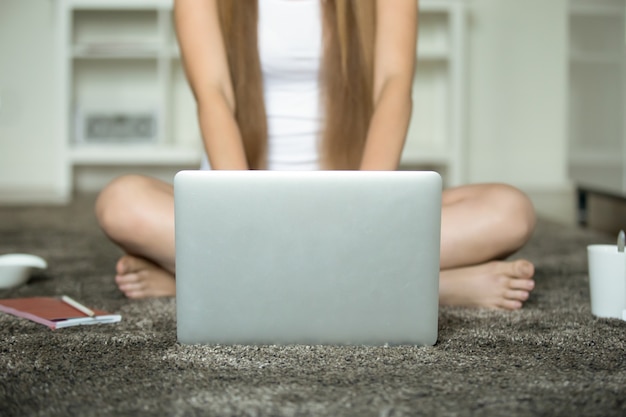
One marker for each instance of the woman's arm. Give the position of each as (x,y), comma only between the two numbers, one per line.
(394,66)
(206,66)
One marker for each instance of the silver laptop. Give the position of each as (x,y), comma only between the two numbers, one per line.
(323,257)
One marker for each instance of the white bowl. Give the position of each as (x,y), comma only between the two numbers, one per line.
(16,268)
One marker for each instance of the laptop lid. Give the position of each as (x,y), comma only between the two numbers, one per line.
(315,257)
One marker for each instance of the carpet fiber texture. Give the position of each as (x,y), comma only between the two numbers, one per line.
(551,358)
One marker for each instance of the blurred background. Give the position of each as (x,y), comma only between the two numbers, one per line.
(530,93)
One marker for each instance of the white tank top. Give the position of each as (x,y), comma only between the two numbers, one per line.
(290,50)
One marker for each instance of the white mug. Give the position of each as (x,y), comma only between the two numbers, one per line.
(607,281)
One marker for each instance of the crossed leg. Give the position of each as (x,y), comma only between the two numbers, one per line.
(480,224)
(137,213)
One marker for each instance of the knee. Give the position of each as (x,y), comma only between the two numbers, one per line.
(516,213)
(116,206)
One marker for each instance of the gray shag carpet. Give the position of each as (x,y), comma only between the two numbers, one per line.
(551,358)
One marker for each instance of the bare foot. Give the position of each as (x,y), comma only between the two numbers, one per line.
(498,285)
(140,278)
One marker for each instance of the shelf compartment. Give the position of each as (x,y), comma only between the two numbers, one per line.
(113,81)
(596,35)
(115,27)
(434,36)
(108,85)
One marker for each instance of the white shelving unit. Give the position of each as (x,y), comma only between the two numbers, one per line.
(118,53)
(122,53)
(437,130)
(597,98)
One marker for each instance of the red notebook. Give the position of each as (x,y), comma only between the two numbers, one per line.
(53,312)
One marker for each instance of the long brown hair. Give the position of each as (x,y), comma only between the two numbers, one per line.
(346,78)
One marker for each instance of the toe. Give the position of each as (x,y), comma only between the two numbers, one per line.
(121,266)
(522,284)
(131,288)
(523,269)
(129,263)
(122,279)
(516,295)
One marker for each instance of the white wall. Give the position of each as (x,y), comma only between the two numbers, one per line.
(517,100)
(32,164)
(517,93)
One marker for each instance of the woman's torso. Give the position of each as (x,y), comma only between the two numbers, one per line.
(290,51)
